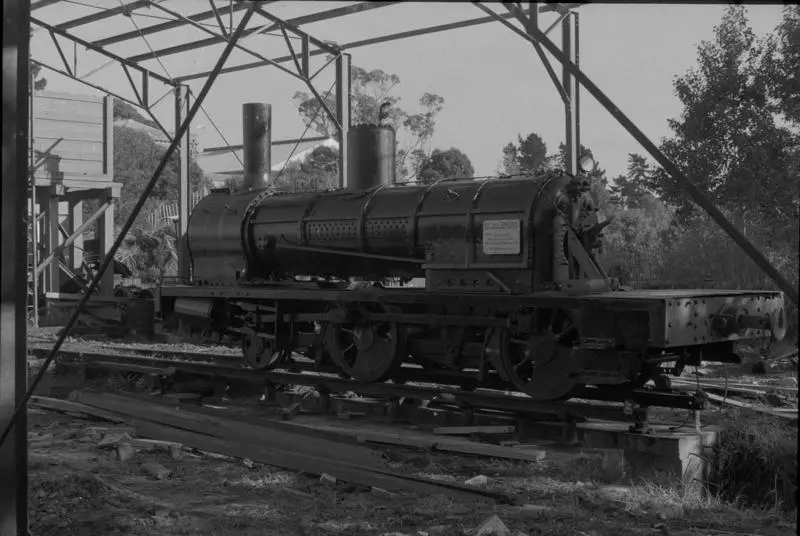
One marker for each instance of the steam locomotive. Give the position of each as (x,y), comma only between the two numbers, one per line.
(513,293)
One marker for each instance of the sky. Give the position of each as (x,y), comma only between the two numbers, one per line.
(493,84)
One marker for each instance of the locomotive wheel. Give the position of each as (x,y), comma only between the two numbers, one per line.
(367,351)
(540,361)
(260,354)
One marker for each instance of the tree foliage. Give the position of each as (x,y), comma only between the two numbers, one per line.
(631,190)
(39,81)
(123,110)
(319,171)
(448,164)
(526,156)
(730,139)
(370,90)
(136,157)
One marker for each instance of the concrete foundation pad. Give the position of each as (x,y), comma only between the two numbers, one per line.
(663,456)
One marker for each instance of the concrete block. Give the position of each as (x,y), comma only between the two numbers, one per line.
(662,456)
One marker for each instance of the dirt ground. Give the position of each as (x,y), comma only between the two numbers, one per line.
(76,487)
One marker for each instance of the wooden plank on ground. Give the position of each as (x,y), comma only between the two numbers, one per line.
(298,462)
(493,451)
(467,430)
(460,447)
(745,405)
(64,406)
(231,430)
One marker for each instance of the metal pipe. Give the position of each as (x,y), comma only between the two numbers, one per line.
(257,142)
(78,232)
(20,407)
(211,151)
(691,188)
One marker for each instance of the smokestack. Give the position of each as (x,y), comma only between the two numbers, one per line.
(257,141)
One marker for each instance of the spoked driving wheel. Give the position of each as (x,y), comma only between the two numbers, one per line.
(260,353)
(364,349)
(540,353)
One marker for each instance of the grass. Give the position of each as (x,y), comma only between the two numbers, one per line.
(756,463)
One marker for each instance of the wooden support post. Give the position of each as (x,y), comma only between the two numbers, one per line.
(108,138)
(75,220)
(105,236)
(13,241)
(53,274)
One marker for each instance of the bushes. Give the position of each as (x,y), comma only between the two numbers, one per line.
(644,252)
(756,464)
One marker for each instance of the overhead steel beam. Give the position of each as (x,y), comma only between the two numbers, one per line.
(164,26)
(690,187)
(292,27)
(211,151)
(306,19)
(19,411)
(89,84)
(13,296)
(105,14)
(240,47)
(42,3)
(533,18)
(375,41)
(101,51)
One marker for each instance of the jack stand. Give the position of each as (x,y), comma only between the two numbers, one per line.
(639,416)
(269,393)
(569,433)
(324,400)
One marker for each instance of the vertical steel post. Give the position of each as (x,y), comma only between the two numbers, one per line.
(34,222)
(343,113)
(181,109)
(256,145)
(569,82)
(577,97)
(13,296)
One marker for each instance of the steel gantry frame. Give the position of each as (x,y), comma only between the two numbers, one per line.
(232,36)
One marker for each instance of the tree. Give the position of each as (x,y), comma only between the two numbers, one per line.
(448,164)
(123,110)
(728,140)
(136,157)
(319,171)
(784,63)
(630,190)
(509,165)
(370,90)
(39,82)
(531,153)
(527,156)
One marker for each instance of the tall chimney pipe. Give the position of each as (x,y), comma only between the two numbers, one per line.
(257,142)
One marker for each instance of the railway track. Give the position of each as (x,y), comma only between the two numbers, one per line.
(417,384)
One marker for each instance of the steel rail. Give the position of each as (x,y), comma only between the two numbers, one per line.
(482,399)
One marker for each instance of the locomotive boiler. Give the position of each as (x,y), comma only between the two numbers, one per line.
(513,293)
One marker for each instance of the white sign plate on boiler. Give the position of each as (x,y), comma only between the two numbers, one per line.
(501,237)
